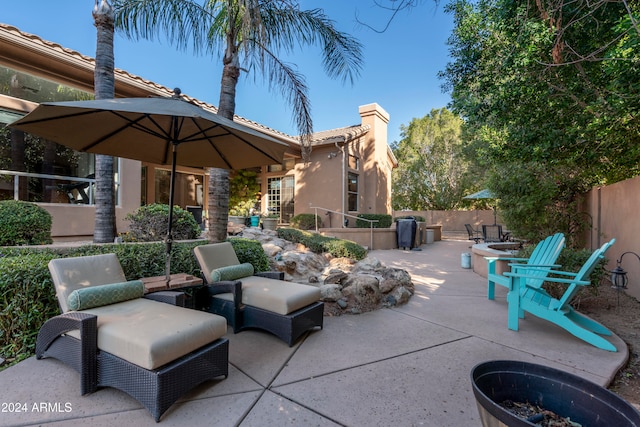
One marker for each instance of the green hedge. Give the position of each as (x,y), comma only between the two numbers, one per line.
(24,223)
(572,260)
(384,220)
(320,244)
(306,221)
(27,296)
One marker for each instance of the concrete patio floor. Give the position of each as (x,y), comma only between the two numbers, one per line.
(406,366)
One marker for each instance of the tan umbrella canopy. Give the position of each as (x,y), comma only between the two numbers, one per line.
(167,131)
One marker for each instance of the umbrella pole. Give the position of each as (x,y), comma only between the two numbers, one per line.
(169,238)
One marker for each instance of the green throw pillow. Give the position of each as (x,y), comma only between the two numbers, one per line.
(97,296)
(232,272)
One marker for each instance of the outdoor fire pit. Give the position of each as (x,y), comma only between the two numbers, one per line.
(562,393)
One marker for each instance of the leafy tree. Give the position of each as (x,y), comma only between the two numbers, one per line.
(432,172)
(250,34)
(549,94)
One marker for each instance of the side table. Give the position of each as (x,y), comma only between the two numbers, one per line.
(176,282)
(182,282)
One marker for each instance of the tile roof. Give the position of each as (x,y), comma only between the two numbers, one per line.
(343,134)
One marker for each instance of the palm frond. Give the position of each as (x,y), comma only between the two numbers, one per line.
(289,28)
(293,88)
(183,23)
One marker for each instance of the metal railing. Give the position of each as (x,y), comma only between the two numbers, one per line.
(87,198)
(370,221)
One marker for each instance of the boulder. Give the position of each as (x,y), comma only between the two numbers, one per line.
(331,292)
(363,288)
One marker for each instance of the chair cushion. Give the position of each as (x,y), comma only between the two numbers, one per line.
(276,296)
(215,255)
(232,272)
(97,296)
(73,273)
(151,334)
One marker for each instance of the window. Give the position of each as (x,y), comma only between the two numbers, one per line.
(354,162)
(34,169)
(280,197)
(273,195)
(187,192)
(352,189)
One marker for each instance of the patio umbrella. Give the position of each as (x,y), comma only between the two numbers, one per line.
(167,131)
(484,194)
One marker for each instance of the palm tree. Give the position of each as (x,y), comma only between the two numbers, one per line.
(104,88)
(250,34)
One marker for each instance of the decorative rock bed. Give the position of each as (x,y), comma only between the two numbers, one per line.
(347,286)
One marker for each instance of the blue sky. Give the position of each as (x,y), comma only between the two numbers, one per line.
(399,73)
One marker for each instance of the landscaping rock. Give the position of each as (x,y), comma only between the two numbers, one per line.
(346,286)
(331,292)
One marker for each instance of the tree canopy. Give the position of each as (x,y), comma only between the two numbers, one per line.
(549,93)
(432,173)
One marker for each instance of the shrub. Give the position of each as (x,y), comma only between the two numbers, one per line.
(384,220)
(251,251)
(27,300)
(149,224)
(306,221)
(572,260)
(24,223)
(243,188)
(319,244)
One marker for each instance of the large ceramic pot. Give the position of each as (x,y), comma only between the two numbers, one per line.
(238,220)
(563,393)
(269,223)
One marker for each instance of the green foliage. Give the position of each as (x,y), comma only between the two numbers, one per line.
(27,295)
(432,172)
(250,251)
(384,220)
(572,260)
(24,223)
(306,221)
(320,244)
(537,201)
(149,224)
(541,93)
(243,189)
(27,300)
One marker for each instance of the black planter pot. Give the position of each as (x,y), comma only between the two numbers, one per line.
(560,392)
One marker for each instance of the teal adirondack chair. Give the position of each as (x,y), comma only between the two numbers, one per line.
(524,298)
(543,258)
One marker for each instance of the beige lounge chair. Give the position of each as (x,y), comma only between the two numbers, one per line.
(262,300)
(116,337)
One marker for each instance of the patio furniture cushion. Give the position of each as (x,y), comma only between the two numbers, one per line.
(136,330)
(232,272)
(274,295)
(74,273)
(97,296)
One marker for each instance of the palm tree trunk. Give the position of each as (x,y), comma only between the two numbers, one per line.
(218,190)
(104,88)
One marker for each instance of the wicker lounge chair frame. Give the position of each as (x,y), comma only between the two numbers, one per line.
(156,389)
(288,327)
